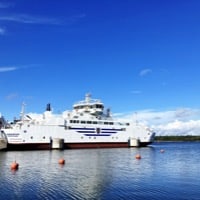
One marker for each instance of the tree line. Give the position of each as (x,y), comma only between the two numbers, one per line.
(177,138)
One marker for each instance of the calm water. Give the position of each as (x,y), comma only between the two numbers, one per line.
(104,173)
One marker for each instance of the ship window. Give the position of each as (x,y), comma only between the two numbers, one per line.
(43,137)
(105,122)
(25,131)
(89,122)
(31,137)
(99,106)
(94,122)
(127,124)
(82,122)
(111,123)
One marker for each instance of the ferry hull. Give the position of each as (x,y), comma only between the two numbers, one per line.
(48,146)
(29,146)
(102,145)
(95,145)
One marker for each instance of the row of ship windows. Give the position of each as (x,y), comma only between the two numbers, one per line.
(95,137)
(97,122)
(81,137)
(92,106)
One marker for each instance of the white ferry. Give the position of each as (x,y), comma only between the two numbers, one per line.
(85,126)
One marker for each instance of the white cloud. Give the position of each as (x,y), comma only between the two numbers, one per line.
(5,4)
(27,19)
(145,72)
(75,18)
(12,96)
(181,121)
(7,69)
(191,127)
(12,68)
(2,31)
(30,19)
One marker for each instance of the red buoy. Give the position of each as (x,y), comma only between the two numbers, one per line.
(14,166)
(61,161)
(138,156)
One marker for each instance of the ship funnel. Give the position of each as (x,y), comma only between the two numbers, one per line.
(48,108)
(108,112)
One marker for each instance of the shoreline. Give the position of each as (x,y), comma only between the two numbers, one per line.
(171,138)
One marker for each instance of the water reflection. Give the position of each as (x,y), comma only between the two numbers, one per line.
(102,173)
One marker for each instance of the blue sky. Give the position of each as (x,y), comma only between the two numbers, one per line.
(136,56)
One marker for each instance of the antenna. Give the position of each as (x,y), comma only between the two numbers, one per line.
(22,111)
(136,121)
(87,97)
(108,112)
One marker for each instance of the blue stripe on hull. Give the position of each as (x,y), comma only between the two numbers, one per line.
(97,134)
(101,133)
(73,128)
(102,129)
(86,131)
(111,129)
(108,132)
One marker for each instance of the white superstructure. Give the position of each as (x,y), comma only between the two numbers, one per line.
(86,126)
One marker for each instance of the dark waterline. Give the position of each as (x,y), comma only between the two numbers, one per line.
(104,173)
